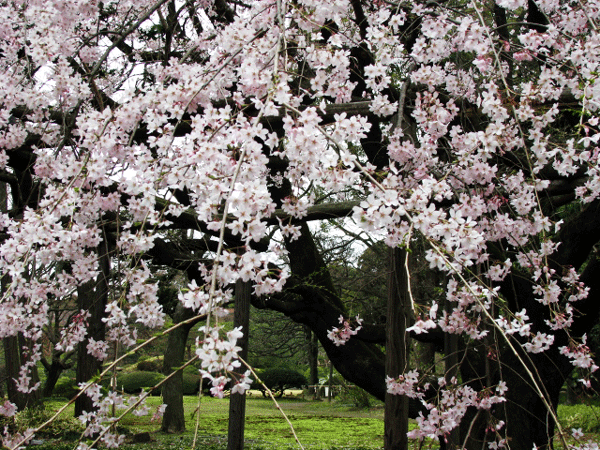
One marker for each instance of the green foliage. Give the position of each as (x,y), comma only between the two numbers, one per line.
(356,396)
(55,445)
(278,379)
(64,426)
(582,416)
(65,387)
(322,371)
(133,382)
(191,383)
(276,339)
(150,365)
(336,379)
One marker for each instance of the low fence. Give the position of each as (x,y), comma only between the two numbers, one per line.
(323,390)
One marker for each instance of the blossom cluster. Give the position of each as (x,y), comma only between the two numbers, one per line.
(100,422)
(581,357)
(445,415)
(340,336)
(219,361)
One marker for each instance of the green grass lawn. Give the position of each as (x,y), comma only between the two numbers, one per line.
(318,424)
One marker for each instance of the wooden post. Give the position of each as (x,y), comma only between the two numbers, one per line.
(237,402)
(330,391)
(396,358)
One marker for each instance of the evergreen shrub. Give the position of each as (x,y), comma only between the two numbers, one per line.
(134,382)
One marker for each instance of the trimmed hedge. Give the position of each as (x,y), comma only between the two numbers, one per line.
(279,379)
(150,365)
(134,382)
(191,383)
(65,387)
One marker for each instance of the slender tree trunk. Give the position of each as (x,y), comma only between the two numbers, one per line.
(396,406)
(237,401)
(173,420)
(313,360)
(424,355)
(12,359)
(330,384)
(53,372)
(92,297)
(451,370)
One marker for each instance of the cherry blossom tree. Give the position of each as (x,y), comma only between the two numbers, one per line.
(470,125)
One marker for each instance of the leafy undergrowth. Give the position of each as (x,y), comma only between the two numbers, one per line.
(583,417)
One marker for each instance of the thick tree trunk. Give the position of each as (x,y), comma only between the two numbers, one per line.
(15,357)
(312,301)
(237,401)
(396,361)
(530,422)
(173,420)
(92,297)
(526,416)
(13,345)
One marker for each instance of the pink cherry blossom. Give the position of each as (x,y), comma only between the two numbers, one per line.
(340,336)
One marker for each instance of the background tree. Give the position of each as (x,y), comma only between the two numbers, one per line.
(55,360)
(275,340)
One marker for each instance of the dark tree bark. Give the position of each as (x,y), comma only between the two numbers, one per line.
(451,369)
(312,344)
(173,420)
(396,354)
(311,299)
(534,381)
(53,371)
(15,355)
(59,360)
(15,346)
(92,297)
(237,401)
